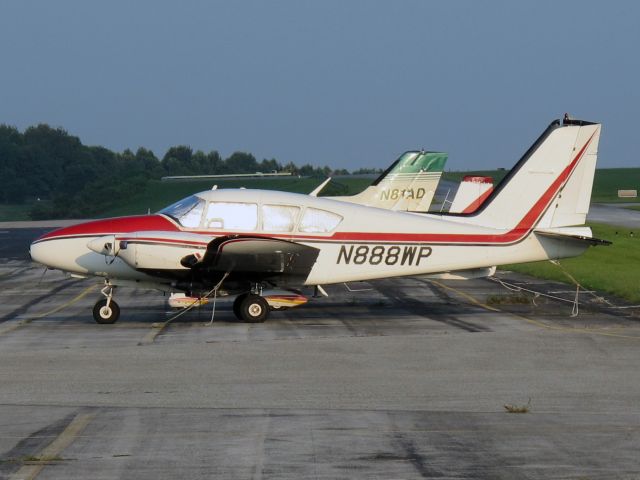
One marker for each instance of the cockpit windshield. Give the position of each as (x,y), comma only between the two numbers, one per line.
(187,212)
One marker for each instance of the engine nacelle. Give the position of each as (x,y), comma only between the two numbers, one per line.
(151,250)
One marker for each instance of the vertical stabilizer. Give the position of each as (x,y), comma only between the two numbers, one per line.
(408,185)
(571,205)
(471,194)
(550,185)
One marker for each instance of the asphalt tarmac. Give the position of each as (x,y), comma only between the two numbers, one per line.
(394,379)
(614,214)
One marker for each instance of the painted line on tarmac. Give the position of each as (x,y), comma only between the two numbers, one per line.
(158,328)
(537,323)
(466,296)
(50,454)
(150,337)
(75,299)
(28,320)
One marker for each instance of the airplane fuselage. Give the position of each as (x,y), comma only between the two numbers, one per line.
(368,243)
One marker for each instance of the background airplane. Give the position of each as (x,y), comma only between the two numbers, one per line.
(471,194)
(409,184)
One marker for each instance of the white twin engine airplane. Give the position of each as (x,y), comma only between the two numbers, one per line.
(246,241)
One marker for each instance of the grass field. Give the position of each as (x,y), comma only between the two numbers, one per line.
(158,194)
(613,269)
(9,213)
(609,180)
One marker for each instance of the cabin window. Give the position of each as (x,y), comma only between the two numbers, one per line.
(279,218)
(187,212)
(232,216)
(319,221)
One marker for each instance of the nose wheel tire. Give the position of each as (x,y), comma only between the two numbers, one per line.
(106,315)
(251,308)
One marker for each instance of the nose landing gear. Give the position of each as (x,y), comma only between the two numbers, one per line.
(106,310)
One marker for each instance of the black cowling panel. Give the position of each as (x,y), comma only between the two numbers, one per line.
(255,258)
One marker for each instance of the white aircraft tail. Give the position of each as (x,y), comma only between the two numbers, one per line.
(471,194)
(571,205)
(551,184)
(408,185)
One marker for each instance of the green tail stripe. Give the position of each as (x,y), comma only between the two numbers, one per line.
(414,162)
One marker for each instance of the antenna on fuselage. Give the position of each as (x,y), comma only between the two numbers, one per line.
(319,188)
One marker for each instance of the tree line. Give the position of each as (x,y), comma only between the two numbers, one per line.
(64,178)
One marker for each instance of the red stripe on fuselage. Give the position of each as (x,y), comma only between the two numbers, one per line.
(163,240)
(110,226)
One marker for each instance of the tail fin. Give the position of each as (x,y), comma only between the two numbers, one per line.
(472,193)
(571,205)
(407,185)
(551,184)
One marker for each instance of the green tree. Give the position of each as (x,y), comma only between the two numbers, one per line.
(241,162)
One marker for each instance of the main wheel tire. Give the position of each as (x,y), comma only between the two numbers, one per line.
(106,315)
(236,305)
(254,309)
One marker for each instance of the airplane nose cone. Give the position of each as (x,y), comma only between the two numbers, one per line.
(42,253)
(68,255)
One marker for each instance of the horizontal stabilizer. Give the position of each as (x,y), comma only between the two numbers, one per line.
(582,234)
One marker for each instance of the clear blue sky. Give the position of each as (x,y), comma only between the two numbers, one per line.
(343,83)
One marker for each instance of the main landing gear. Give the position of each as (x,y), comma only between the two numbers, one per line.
(251,308)
(254,306)
(106,310)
